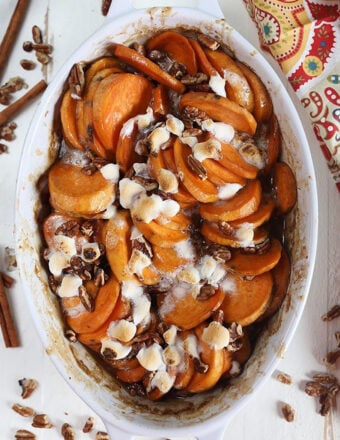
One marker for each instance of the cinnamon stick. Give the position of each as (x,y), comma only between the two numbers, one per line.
(6,320)
(7,114)
(12,31)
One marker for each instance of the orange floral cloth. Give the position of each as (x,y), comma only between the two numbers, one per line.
(304,37)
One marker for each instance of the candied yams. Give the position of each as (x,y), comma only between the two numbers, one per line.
(163,241)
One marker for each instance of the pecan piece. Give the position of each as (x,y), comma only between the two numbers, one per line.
(326,404)
(208,42)
(71,335)
(288,412)
(89,424)
(28,386)
(331,358)
(190,80)
(315,389)
(36,34)
(76,80)
(69,228)
(3,148)
(27,64)
(24,411)
(23,434)
(87,228)
(67,432)
(200,366)
(219,252)
(196,166)
(106,4)
(41,421)
(148,184)
(86,299)
(226,229)
(101,435)
(333,313)
(206,292)
(325,378)
(284,378)
(100,277)
(192,115)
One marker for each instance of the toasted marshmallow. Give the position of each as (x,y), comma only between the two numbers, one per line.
(151,357)
(66,244)
(174,125)
(141,169)
(163,381)
(207,266)
(122,330)
(228,285)
(69,286)
(245,235)
(222,131)
(109,212)
(147,208)
(57,262)
(228,190)
(217,275)
(129,192)
(145,120)
(167,181)
(141,309)
(253,155)
(189,140)
(170,335)
(216,336)
(210,149)
(116,349)
(189,275)
(110,172)
(190,346)
(90,252)
(172,356)
(131,290)
(217,84)
(138,262)
(157,138)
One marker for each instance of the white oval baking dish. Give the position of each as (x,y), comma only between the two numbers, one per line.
(203,416)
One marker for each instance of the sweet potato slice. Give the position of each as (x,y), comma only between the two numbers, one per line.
(216,361)
(86,131)
(234,162)
(177,46)
(146,66)
(248,299)
(167,260)
(237,86)
(69,122)
(118,97)
(99,65)
(212,232)
(244,203)
(125,151)
(160,234)
(260,216)
(219,175)
(202,190)
(185,311)
(281,277)
(75,193)
(160,101)
(285,188)
(263,106)
(203,62)
(117,241)
(178,222)
(221,109)
(105,302)
(130,375)
(255,264)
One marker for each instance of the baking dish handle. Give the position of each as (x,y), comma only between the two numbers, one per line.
(121,7)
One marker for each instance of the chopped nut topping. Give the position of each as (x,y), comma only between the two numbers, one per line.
(288,412)
(87,228)
(325,378)
(43,58)
(41,421)
(208,42)
(100,277)
(89,424)
(199,78)
(284,378)
(326,404)
(71,335)
(86,299)
(76,80)
(23,434)
(226,229)
(192,115)
(200,367)
(90,252)
(315,389)
(24,411)
(67,432)
(28,386)
(3,148)
(196,166)
(148,184)
(36,34)
(333,313)
(219,252)
(206,292)
(326,387)
(11,86)
(69,228)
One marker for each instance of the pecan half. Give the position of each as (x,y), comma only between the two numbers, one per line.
(331,358)
(76,79)
(24,411)
(219,252)
(27,64)
(89,424)
(23,434)
(315,389)
(28,386)
(87,228)
(325,378)
(102,436)
(226,229)
(41,421)
(3,148)
(196,166)
(36,34)
(67,432)
(288,412)
(192,115)
(284,378)
(333,313)
(69,228)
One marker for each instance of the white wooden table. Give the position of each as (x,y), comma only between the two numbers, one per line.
(67,23)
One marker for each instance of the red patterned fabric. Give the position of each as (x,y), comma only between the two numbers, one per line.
(304,37)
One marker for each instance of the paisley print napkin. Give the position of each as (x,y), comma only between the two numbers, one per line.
(304,37)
